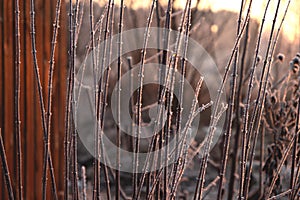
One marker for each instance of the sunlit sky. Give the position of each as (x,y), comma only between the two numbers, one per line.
(291,27)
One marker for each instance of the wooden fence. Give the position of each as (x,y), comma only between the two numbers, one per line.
(31,127)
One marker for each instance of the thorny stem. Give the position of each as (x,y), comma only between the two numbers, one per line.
(79,19)
(139,100)
(40,94)
(227,134)
(247,105)
(50,87)
(68,116)
(103,93)
(119,100)
(260,105)
(237,117)
(74,105)
(213,125)
(17,102)
(187,127)
(187,11)
(172,64)
(96,163)
(165,40)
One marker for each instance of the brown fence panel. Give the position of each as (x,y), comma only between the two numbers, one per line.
(31,129)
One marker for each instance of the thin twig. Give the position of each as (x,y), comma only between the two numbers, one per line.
(17,102)
(139,100)
(6,169)
(119,100)
(40,93)
(228,132)
(247,105)
(50,86)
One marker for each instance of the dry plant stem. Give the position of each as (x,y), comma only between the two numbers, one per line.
(139,99)
(96,163)
(83,179)
(261,160)
(228,132)
(40,94)
(68,127)
(295,150)
(212,128)
(165,40)
(152,145)
(73,106)
(50,87)
(158,22)
(249,172)
(122,193)
(17,102)
(281,195)
(237,118)
(6,169)
(265,72)
(152,175)
(211,184)
(296,187)
(187,11)
(247,105)
(159,58)
(284,157)
(187,158)
(100,100)
(132,129)
(156,180)
(183,140)
(260,104)
(170,97)
(91,44)
(103,93)
(119,100)
(79,19)
(198,191)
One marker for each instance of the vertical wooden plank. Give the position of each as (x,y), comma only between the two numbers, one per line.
(54,119)
(47,33)
(2,185)
(39,131)
(29,153)
(32,135)
(8,107)
(22,97)
(59,91)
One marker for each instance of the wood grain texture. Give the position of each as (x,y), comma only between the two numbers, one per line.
(31,127)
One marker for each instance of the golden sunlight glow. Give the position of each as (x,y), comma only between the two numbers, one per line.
(291,26)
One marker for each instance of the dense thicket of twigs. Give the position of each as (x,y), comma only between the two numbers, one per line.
(259,146)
